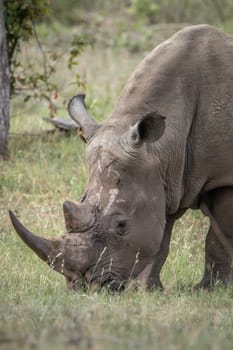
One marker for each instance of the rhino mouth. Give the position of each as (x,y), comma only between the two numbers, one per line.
(109,281)
(113,285)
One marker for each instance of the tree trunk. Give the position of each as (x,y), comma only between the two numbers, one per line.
(4,87)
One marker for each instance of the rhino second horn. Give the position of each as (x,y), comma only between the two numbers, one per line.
(41,246)
(78,217)
(78,112)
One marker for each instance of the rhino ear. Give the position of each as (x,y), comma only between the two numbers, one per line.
(148,129)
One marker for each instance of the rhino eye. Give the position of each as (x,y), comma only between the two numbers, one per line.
(121,227)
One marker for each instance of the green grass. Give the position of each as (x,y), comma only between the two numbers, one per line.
(36,309)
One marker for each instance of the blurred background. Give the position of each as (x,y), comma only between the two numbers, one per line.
(93,46)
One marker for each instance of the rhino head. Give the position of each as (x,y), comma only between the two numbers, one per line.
(115,231)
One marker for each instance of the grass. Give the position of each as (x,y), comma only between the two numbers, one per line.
(36,309)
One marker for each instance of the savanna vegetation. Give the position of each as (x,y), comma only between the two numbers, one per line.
(45,168)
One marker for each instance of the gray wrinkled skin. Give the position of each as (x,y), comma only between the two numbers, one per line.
(166,147)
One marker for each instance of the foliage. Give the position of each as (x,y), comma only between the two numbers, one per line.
(79,42)
(20,19)
(72,12)
(144,9)
(186,11)
(39,81)
(29,79)
(152,11)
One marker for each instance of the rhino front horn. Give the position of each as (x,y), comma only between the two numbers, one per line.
(41,246)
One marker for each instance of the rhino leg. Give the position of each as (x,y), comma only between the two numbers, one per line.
(219,240)
(153,280)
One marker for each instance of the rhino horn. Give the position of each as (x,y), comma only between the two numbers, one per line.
(78,112)
(78,217)
(41,246)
